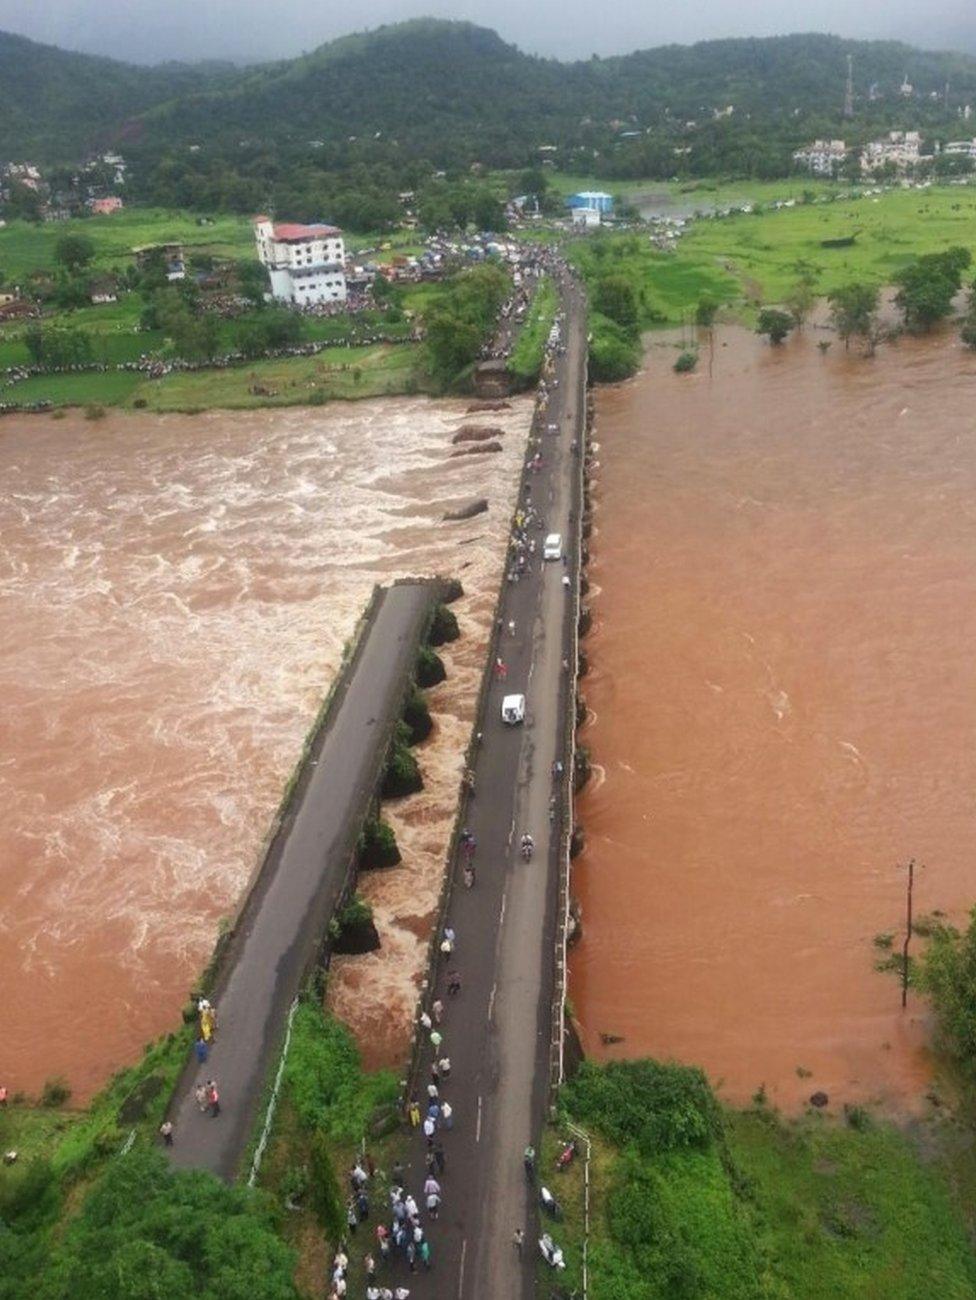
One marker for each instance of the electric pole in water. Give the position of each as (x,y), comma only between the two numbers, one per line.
(908,934)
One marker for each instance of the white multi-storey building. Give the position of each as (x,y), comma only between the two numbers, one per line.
(900,148)
(961,148)
(823,157)
(306,264)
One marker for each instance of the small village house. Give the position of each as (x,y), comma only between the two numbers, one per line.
(106,206)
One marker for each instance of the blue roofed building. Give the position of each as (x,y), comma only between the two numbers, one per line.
(596,199)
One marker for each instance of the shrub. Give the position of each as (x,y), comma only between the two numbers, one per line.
(377,845)
(653,1105)
(686,362)
(94,412)
(614,353)
(947,972)
(430,667)
(325,1081)
(416,715)
(443,627)
(55,1091)
(402,774)
(145,1230)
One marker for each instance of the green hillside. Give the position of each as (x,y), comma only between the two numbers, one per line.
(452,93)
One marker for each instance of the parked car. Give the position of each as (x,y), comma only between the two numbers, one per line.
(513,709)
(552,547)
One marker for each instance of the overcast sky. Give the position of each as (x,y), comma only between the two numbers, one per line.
(255,30)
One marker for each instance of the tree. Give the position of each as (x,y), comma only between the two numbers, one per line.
(74,252)
(777,324)
(146,1232)
(706,312)
(800,300)
(948,974)
(928,286)
(614,297)
(854,311)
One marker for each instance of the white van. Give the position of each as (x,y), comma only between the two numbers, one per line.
(513,709)
(552,547)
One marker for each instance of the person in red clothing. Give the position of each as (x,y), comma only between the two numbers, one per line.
(213,1098)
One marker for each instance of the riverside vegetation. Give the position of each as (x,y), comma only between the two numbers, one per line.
(693,1199)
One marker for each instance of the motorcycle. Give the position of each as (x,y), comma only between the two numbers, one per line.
(566,1156)
(550,1204)
(551,1253)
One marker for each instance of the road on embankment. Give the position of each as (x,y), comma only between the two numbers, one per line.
(284,920)
(497,1031)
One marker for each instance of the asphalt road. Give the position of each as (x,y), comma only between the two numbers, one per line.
(299,886)
(497,1030)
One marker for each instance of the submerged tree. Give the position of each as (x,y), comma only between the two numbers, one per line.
(854,312)
(775,323)
(928,286)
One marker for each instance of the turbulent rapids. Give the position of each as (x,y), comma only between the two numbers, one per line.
(175,594)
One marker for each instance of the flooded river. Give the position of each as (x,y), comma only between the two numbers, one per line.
(784,696)
(175,593)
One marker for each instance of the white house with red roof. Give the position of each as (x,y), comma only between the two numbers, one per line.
(306,264)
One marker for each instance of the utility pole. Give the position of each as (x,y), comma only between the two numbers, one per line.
(908,935)
(849,88)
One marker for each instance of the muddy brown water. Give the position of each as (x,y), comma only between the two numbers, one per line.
(784,697)
(175,593)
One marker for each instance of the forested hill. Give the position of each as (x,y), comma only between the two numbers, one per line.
(453,93)
(55,105)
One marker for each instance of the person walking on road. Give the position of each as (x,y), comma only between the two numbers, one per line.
(437,1008)
(444,1065)
(200,1092)
(518,1239)
(436,1038)
(501,672)
(439,1158)
(511,627)
(453,988)
(213,1098)
(468,876)
(414,1113)
(447,1115)
(166,1132)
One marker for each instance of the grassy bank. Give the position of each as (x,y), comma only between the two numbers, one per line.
(690,1200)
(328,1108)
(525,361)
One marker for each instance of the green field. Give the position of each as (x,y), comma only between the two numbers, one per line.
(706,193)
(25,247)
(744,260)
(892,229)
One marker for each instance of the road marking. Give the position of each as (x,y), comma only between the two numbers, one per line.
(477,1131)
(501,914)
(464,1248)
(491,1000)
